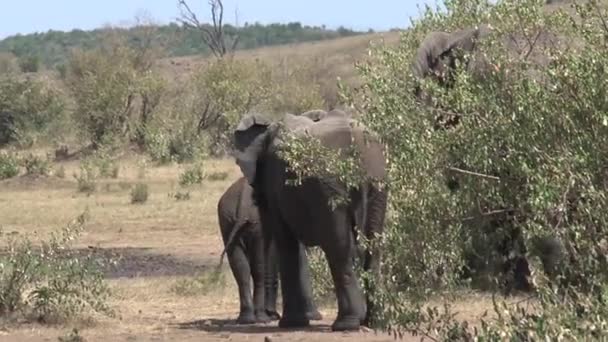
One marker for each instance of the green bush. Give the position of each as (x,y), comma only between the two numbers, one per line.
(36,166)
(194,174)
(51,283)
(28,107)
(525,156)
(87,177)
(9,165)
(115,91)
(139,193)
(29,63)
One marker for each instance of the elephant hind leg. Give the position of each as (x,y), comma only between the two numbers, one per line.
(258,268)
(239,264)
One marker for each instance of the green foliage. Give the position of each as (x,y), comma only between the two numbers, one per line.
(36,165)
(139,193)
(8,64)
(193,174)
(9,165)
(29,63)
(297,88)
(51,282)
(72,336)
(87,177)
(525,156)
(322,282)
(180,196)
(110,85)
(28,106)
(53,47)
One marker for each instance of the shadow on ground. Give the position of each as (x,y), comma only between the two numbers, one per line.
(230,326)
(139,262)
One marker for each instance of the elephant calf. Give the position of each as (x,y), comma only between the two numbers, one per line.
(251,254)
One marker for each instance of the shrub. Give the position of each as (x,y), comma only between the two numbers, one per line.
(8,64)
(29,63)
(181,196)
(322,282)
(115,94)
(192,175)
(27,107)
(139,193)
(87,177)
(51,282)
(526,161)
(36,166)
(9,166)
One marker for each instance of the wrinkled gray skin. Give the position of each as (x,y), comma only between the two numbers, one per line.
(251,254)
(315,114)
(303,213)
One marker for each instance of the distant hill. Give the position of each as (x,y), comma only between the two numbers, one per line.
(52,47)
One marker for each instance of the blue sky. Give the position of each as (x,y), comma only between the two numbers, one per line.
(27,16)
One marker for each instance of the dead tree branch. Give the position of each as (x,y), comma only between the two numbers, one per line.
(213,35)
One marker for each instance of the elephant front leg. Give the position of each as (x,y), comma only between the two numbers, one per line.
(293,285)
(271,279)
(351,304)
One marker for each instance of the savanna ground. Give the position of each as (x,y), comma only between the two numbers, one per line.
(165,250)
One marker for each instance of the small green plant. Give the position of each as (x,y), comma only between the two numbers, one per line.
(139,193)
(72,336)
(200,285)
(181,196)
(323,286)
(9,166)
(50,283)
(36,166)
(87,177)
(192,175)
(217,176)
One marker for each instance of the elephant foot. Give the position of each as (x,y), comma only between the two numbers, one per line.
(261,317)
(273,315)
(314,315)
(346,324)
(246,318)
(292,321)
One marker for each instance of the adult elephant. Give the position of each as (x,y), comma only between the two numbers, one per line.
(252,255)
(303,213)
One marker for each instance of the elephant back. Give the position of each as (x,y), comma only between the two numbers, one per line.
(339,131)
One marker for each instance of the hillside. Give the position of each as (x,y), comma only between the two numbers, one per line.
(52,47)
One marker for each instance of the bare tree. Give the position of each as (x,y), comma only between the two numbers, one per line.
(213,35)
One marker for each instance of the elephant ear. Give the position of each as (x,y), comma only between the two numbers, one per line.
(251,141)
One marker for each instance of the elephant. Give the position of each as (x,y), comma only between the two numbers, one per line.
(302,213)
(437,58)
(251,254)
(315,114)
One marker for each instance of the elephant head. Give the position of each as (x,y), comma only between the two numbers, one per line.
(439,53)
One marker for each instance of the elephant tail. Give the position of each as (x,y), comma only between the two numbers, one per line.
(236,229)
